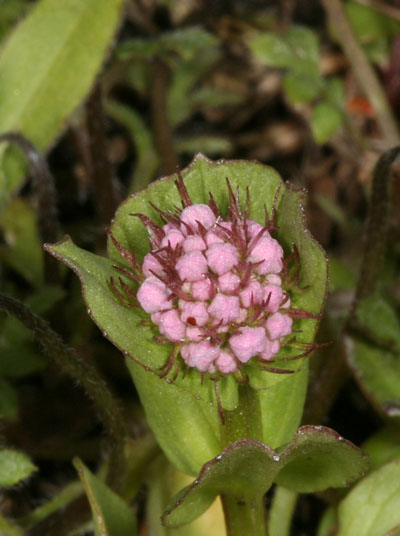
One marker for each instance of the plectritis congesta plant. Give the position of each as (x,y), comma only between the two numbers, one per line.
(215,287)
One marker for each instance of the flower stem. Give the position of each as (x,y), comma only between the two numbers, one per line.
(244,516)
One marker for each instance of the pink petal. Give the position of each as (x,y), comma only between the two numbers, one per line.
(253,293)
(193,243)
(228,282)
(273,295)
(201,355)
(172,239)
(225,309)
(202,290)
(151,266)
(271,349)
(278,326)
(248,343)
(153,295)
(195,313)
(191,266)
(267,250)
(199,213)
(222,258)
(226,362)
(172,326)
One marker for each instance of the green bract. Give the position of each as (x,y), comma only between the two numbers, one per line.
(183,411)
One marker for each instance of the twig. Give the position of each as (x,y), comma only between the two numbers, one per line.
(162,131)
(390,11)
(44,187)
(363,71)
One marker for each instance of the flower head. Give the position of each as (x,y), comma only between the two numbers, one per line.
(214,285)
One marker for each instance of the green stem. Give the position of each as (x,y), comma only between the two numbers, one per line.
(281,512)
(7,529)
(244,514)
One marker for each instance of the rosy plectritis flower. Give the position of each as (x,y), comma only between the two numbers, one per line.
(214,286)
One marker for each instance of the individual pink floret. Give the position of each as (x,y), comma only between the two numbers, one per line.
(272,296)
(228,282)
(278,326)
(201,355)
(153,295)
(195,214)
(254,228)
(253,293)
(226,363)
(222,258)
(225,309)
(194,334)
(202,290)
(193,243)
(274,279)
(172,239)
(191,266)
(267,250)
(213,238)
(195,313)
(271,349)
(151,266)
(248,343)
(172,326)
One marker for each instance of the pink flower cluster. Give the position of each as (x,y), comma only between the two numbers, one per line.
(214,287)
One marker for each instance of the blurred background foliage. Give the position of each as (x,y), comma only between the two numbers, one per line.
(115,94)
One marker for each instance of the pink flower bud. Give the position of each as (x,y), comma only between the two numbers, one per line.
(278,326)
(252,294)
(228,282)
(226,363)
(195,214)
(271,349)
(195,313)
(153,295)
(272,295)
(151,266)
(172,239)
(225,309)
(191,266)
(222,258)
(213,238)
(193,243)
(248,343)
(202,290)
(194,334)
(201,355)
(172,326)
(267,251)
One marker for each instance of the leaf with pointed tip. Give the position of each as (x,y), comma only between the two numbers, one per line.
(372,507)
(14,467)
(111,515)
(315,460)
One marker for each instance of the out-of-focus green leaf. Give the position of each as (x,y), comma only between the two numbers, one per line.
(185,42)
(20,361)
(372,508)
(334,90)
(47,67)
(317,459)
(214,145)
(340,276)
(300,88)
(325,121)
(147,159)
(370,24)
(23,251)
(14,467)
(112,516)
(383,447)
(8,401)
(377,316)
(297,50)
(327,522)
(11,10)
(272,50)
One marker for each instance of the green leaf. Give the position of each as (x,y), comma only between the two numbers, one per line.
(383,447)
(47,67)
(300,88)
(14,467)
(370,24)
(304,43)
(111,515)
(376,315)
(8,401)
(325,121)
(272,50)
(23,251)
(378,373)
(372,508)
(317,459)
